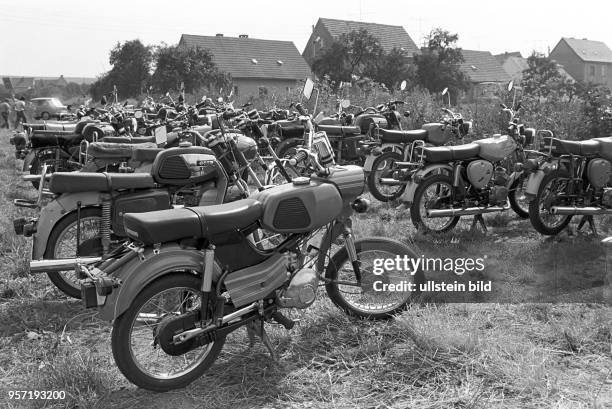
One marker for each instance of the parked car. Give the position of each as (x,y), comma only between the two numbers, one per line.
(49,108)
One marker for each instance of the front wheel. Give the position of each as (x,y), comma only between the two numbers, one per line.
(380,292)
(551,187)
(135,339)
(434,193)
(517,198)
(383,167)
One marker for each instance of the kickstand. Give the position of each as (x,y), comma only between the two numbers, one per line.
(587,218)
(478,220)
(257,328)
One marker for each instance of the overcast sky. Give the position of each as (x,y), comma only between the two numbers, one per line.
(73,38)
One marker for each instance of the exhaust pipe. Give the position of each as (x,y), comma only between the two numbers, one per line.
(465,212)
(391,182)
(573,210)
(62,264)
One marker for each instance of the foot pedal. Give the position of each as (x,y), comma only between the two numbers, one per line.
(282,320)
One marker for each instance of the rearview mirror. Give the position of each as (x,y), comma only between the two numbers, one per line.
(403,85)
(510,86)
(138,114)
(444,91)
(220,99)
(308,87)
(167,94)
(345,103)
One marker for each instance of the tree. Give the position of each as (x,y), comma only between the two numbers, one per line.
(391,69)
(354,53)
(542,79)
(437,67)
(131,70)
(193,66)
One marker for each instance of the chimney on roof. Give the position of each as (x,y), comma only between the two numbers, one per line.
(219,35)
(243,36)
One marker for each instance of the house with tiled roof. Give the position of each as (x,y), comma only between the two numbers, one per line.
(585,60)
(484,72)
(18,85)
(328,30)
(258,67)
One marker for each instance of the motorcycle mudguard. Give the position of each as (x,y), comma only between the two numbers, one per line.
(53,212)
(367,166)
(387,147)
(422,174)
(533,183)
(139,272)
(27,161)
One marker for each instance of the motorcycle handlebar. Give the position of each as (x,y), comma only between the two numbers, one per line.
(298,157)
(300,109)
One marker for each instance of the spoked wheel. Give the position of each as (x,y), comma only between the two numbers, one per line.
(433,193)
(551,187)
(62,244)
(518,199)
(141,342)
(275,177)
(372,297)
(383,167)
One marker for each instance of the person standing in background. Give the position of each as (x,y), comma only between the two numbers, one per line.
(5,108)
(20,107)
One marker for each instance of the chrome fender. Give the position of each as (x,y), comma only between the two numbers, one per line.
(386,147)
(53,212)
(411,186)
(139,272)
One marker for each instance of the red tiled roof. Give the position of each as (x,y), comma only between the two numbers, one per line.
(589,50)
(237,56)
(389,36)
(482,66)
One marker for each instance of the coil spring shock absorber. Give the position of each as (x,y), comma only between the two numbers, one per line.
(105,223)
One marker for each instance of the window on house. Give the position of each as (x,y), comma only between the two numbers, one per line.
(591,71)
(263,91)
(603,71)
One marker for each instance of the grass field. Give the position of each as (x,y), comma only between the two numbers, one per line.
(461,355)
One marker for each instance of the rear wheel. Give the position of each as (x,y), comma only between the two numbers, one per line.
(62,244)
(383,167)
(433,193)
(137,341)
(371,298)
(551,187)
(517,198)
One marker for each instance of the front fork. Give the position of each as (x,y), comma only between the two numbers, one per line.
(349,242)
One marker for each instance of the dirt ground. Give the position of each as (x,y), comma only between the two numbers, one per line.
(542,339)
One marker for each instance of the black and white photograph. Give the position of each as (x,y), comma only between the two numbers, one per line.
(323,204)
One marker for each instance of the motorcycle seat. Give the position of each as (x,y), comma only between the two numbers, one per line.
(583,148)
(127,139)
(61,127)
(52,138)
(337,130)
(145,153)
(396,136)
(73,182)
(450,153)
(104,150)
(211,222)
(605,147)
